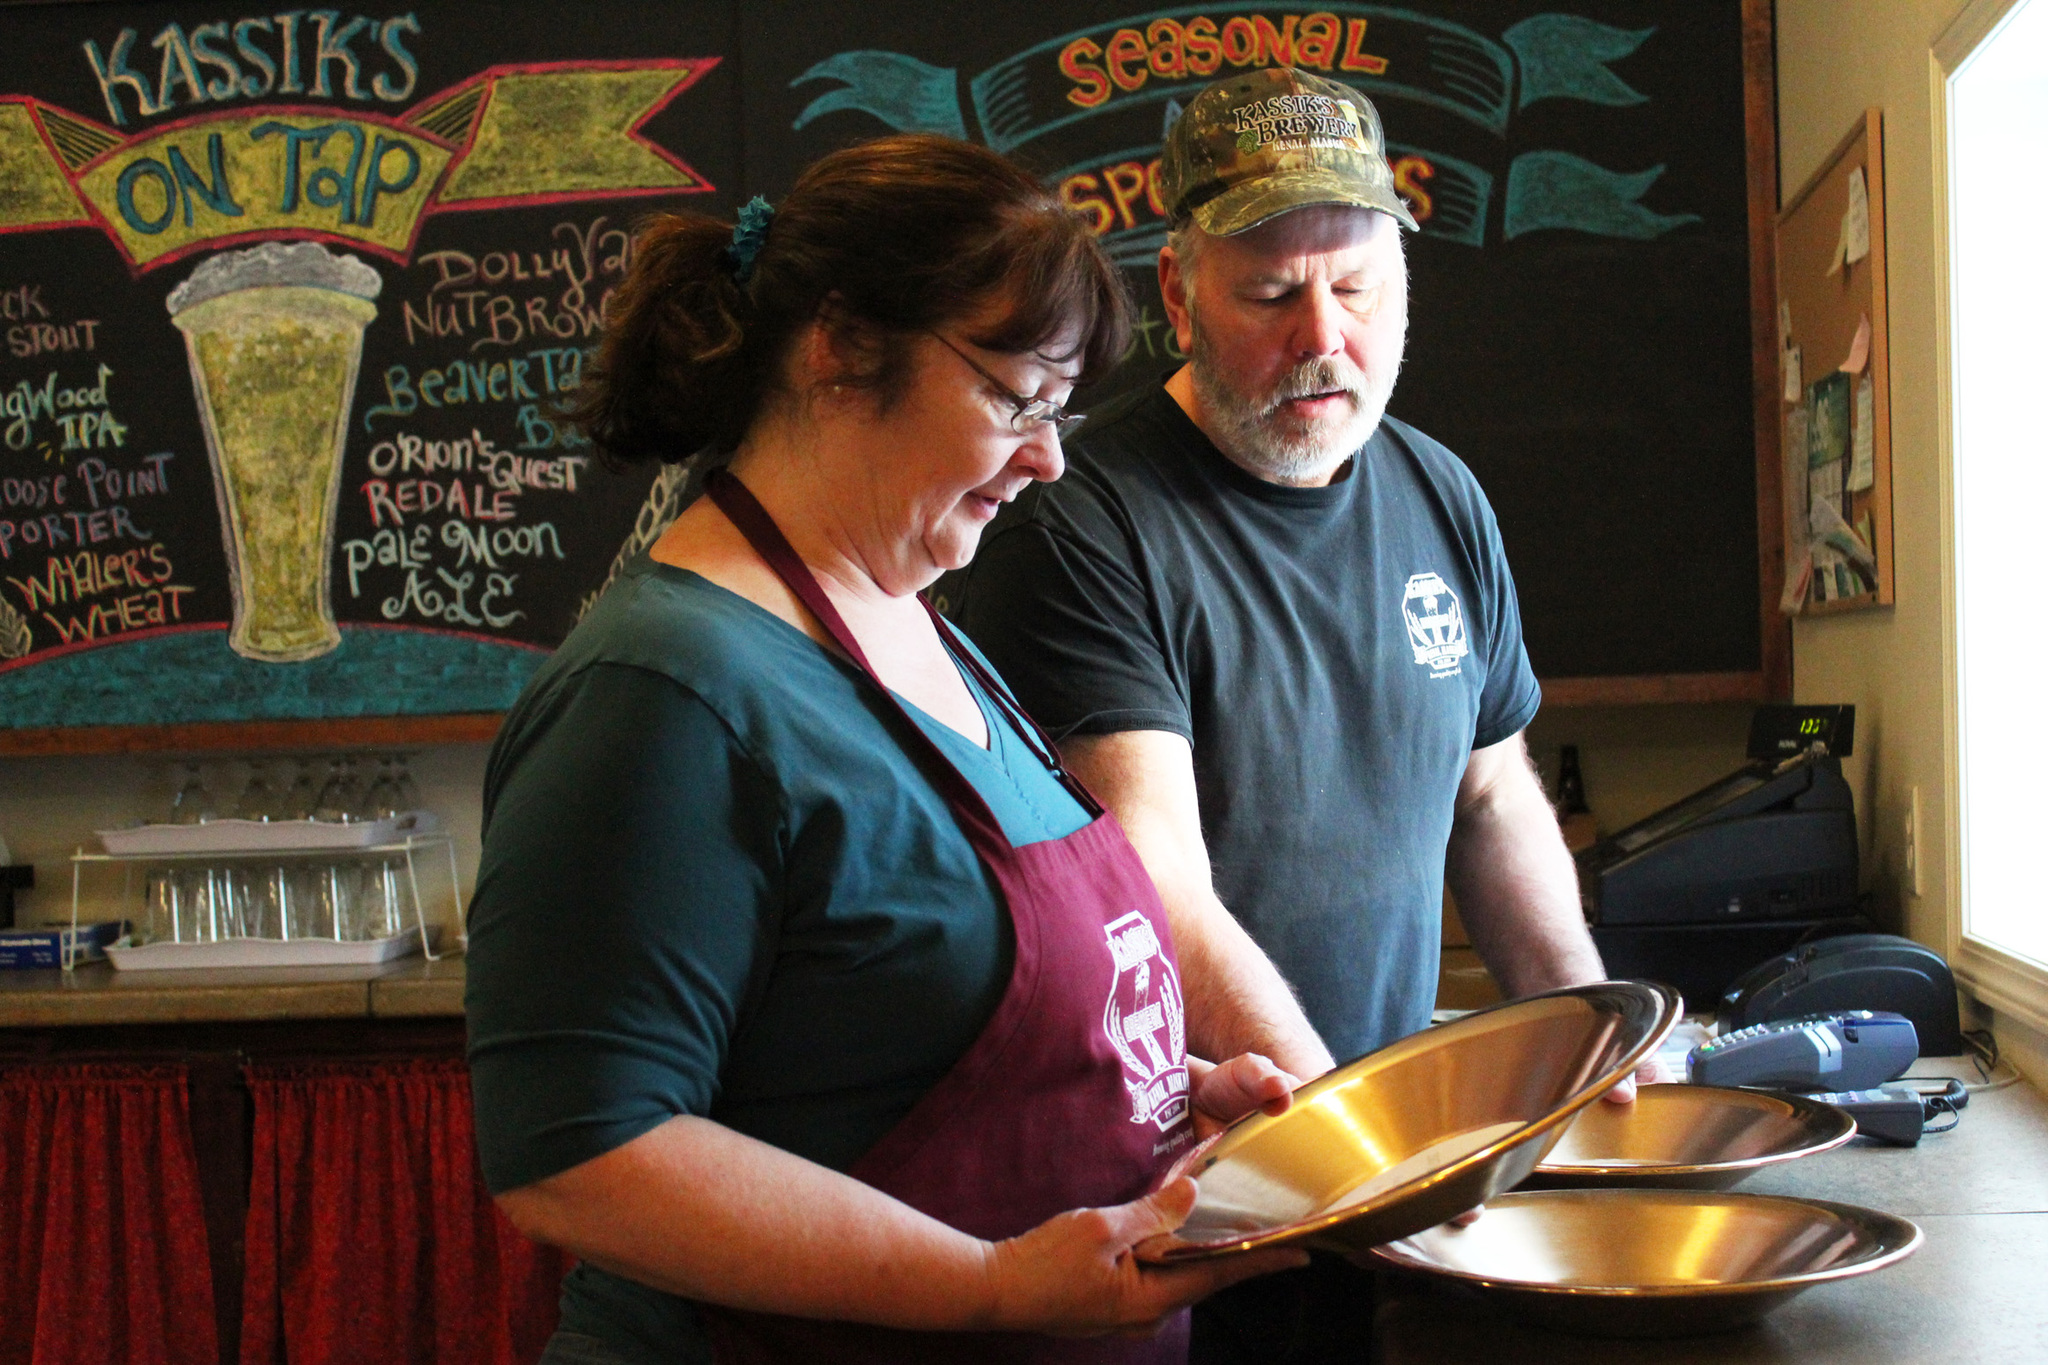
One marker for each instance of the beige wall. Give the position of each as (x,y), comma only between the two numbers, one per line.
(1836,58)
(1638,759)
(1635,759)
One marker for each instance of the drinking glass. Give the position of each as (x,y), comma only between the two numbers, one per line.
(277,902)
(408,791)
(253,892)
(341,799)
(384,799)
(194,804)
(333,902)
(305,905)
(160,907)
(302,796)
(259,799)
(387,902)
(232,889)
(199,912)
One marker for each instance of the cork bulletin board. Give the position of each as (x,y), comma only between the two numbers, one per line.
(1835,407)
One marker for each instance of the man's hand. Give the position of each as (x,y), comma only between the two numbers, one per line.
(1651,1072)
(1226,1093)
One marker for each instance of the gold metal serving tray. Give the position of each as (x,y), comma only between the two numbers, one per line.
(1421,1130)
(1653,1263)
(1697,1137)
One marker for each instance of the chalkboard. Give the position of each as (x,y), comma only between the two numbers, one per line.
(285,301)
(1595,182)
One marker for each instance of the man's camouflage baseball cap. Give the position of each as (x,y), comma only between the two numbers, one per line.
(1254,146)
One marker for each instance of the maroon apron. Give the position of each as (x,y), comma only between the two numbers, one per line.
(1076,1093)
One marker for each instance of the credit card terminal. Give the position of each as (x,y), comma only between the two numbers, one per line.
(1846,1050)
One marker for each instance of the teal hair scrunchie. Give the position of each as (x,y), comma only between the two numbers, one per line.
(749,234)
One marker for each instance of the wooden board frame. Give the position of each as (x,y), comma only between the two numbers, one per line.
(1772,680)
(1825,310)
(255,736)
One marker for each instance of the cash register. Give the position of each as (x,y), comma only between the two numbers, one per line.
(1742,869)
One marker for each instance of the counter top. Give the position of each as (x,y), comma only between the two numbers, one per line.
(411,987)
(1972,1292)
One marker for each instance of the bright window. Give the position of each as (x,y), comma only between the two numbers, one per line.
(1998,320)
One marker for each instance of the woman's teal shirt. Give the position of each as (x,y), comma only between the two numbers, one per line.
(715,882)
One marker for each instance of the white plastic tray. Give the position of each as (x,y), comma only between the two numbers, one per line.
(259,836)
(264,952)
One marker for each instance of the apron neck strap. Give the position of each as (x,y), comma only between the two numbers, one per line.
(1034,736)
(746,513)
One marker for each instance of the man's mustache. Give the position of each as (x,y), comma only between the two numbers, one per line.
(1312,378)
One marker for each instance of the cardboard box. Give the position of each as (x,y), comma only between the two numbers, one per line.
(45,947)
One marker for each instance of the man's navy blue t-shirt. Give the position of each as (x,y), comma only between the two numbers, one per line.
(1334,655)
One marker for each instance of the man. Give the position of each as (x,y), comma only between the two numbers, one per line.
(1274,630)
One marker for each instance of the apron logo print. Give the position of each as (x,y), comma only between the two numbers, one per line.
(1436,624)
(1146,1023)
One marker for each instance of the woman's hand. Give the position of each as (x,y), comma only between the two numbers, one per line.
(1076,1275)
(1227,1092)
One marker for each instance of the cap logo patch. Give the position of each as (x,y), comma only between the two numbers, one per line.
(1298,120)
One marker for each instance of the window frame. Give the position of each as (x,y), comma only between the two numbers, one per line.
(2005,981)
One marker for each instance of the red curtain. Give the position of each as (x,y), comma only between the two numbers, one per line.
(370,1234)
(102,1239)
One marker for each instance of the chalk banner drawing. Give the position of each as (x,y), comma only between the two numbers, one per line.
(1051,91)
(360,179)
(409,538)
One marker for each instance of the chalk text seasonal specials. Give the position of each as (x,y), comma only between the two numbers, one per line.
(1200,47)
(1121,195)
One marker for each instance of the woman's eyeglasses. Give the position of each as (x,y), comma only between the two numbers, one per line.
(1029,412)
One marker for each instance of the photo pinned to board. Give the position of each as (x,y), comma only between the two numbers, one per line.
(1827,440)
(1863,440)
(1789,356)
(1827,422)
(1798,541)
(1852,241)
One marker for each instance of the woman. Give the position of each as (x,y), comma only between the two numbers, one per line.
(808,999)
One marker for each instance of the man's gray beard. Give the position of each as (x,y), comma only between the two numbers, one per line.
(1250,429)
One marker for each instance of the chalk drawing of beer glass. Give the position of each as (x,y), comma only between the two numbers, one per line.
(274,336)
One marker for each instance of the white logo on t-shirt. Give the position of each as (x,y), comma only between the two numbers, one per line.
(1146,1023)
(1436,624)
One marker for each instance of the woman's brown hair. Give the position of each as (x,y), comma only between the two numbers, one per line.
(884,241)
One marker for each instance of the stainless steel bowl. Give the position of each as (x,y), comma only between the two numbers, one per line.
(1695,1137)
(1421,1130)
(1654,1263)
